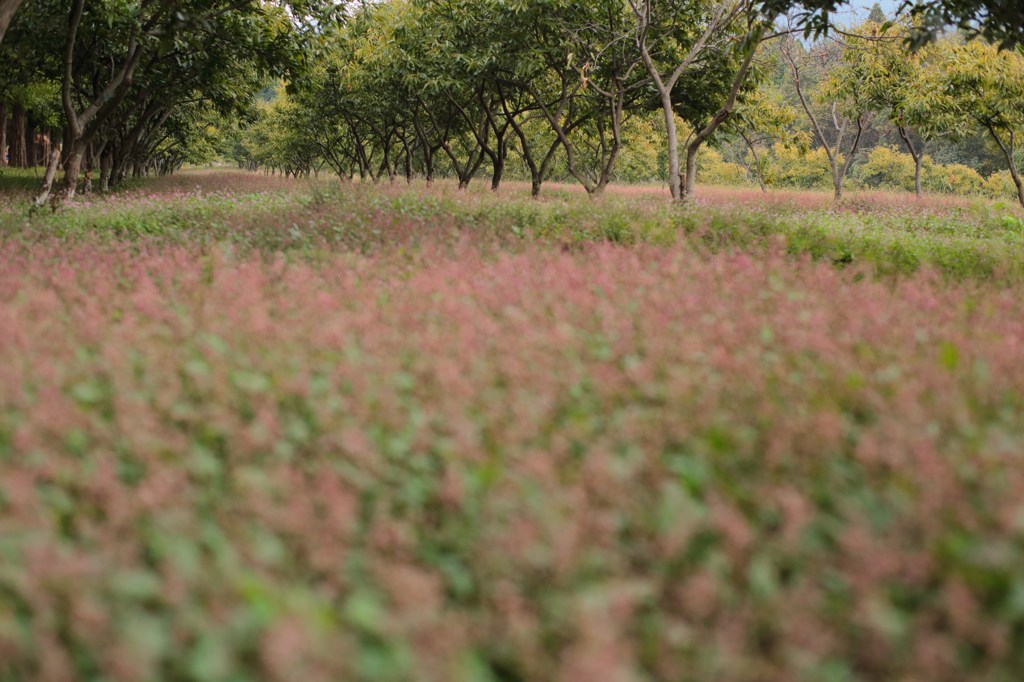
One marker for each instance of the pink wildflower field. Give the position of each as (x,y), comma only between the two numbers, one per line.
(462,461)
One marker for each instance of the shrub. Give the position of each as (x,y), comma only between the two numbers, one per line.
(1000,185)
(953,178)
(790,167)
(712,169)
(888,168)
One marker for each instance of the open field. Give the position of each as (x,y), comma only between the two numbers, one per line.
(253,428)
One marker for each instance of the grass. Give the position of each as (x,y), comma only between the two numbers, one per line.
(268,430)
(885,232)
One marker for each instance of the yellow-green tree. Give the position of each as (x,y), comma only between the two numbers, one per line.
(975,86)
(877,68)
(842,110)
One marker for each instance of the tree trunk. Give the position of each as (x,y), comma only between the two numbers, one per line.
(1017,182)
(428,169)
(7,10)
(72,169)
(30,137)
(691,171)
(19,152)
(536,179)
(757,162)
(499,171)
(536,174)
(718,119)
(674,184)
(1010,152)
(51,173)
(916,155)
(105,172)
(3,135)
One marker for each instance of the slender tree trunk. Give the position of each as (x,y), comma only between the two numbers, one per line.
(757,162)
(105,167)
(498,172)
(536,173)
(690,184)
(674,185)
(536,179)
(833,152)
(645,18)
(1015,175)
(1010,152)
(3,135)
(562,133)
(916,155)
(51,173)
(30,145)
(19,152)
(1020,188)
(723,113)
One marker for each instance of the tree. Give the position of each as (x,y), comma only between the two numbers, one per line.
(877,69)
(672,39)
(975,86)
(123,75)
(593,80)
(761,119)
(839,126)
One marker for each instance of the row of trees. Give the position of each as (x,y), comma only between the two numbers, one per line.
(115,88)
(419,87)
(951,90)
(460,87)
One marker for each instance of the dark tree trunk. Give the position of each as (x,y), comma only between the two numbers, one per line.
(105,172)
(30,147)
(498,172)
(3,135)
(19,153)
(428,166)
(72,170)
